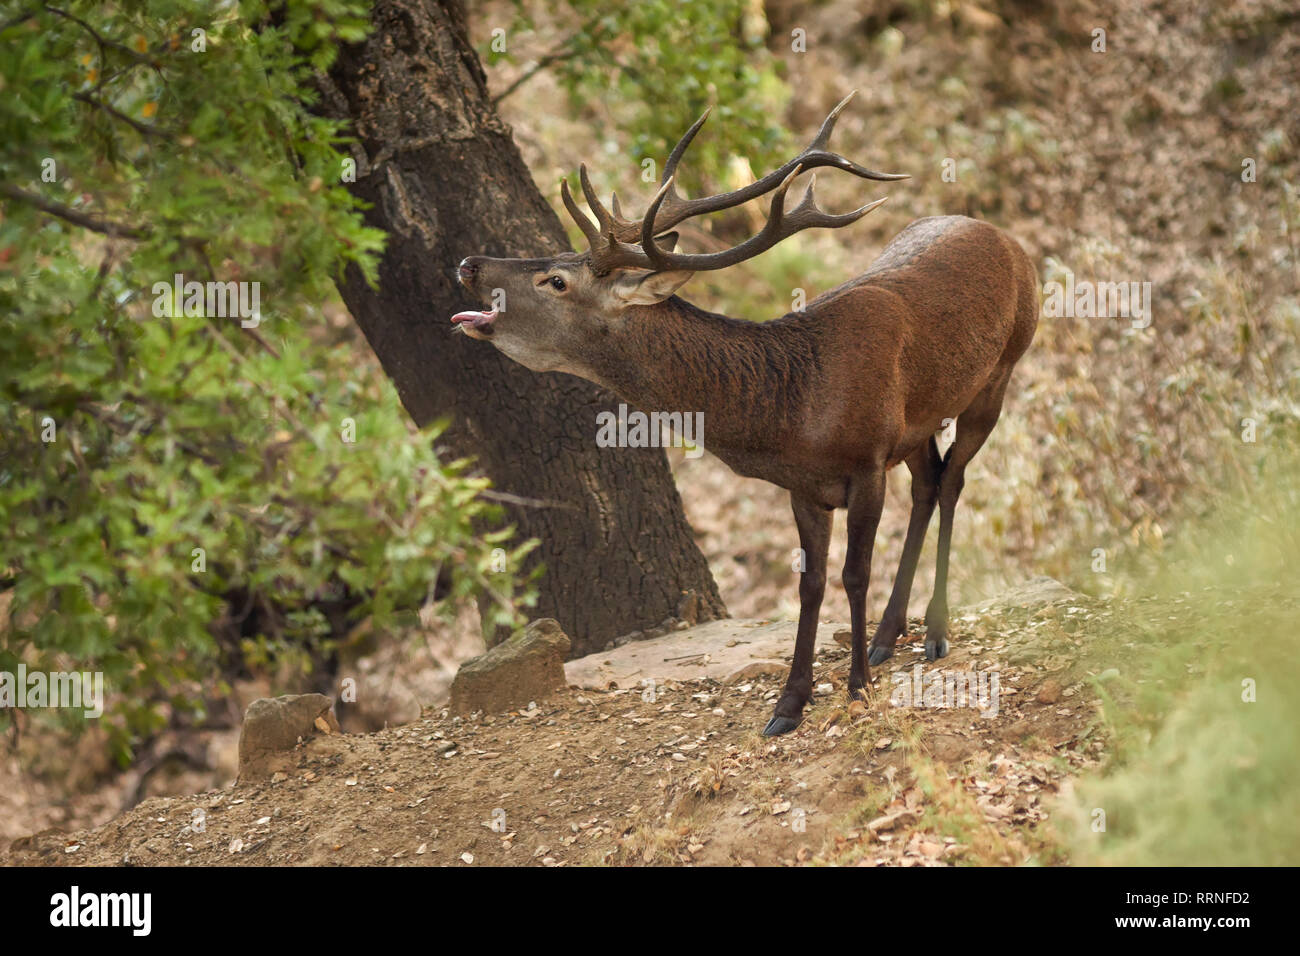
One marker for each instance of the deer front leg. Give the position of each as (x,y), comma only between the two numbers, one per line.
(814,523)
(866,501)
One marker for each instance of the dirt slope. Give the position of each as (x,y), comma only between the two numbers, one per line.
(677,776)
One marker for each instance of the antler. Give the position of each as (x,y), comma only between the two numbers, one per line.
(617,242)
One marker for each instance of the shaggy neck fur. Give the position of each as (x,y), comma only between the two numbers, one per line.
(748,378)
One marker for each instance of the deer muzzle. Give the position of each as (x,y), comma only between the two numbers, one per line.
(477,325)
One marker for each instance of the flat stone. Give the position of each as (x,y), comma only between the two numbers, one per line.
(719,649)
(716,650)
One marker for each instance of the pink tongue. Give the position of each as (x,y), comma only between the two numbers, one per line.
(475,319)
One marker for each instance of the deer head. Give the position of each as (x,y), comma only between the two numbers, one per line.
(549,314)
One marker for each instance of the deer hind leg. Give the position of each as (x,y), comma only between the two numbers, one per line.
(814,523)
(926,466)
(973,428)
(866,500)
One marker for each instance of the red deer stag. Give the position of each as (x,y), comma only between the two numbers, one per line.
(821,402)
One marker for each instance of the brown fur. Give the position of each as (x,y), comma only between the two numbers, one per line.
(807,400)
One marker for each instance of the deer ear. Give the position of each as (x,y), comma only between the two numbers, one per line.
(649,288)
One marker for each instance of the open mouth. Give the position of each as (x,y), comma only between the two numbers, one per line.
(477,325)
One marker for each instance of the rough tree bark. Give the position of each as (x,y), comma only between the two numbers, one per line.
(446,180)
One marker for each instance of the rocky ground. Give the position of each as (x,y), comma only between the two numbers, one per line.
(672,770)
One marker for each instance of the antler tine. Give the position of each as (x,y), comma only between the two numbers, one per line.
(604,248)
(629,230)
(818,217)
(767,237)
(818,146)
(779,226)
(609,252)
(828,124)
(589,228)
(675,157)
(675,209)
(772,229)
(593,202)
(654,255)
(617,242)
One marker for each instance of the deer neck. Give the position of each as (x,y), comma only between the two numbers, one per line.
(747,378)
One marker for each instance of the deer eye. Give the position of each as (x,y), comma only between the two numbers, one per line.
(557,283)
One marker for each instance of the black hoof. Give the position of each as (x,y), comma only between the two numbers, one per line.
(859,693)
(780,725)
(879,655)
(936,648)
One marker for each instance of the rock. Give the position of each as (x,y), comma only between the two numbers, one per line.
(711,650)
(528,666)
(757,669)
(1050,692)
(272,727)
(843,638)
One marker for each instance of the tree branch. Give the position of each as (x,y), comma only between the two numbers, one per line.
(60,211)
(561,53)
(117,230)
(104,42)
(141,128)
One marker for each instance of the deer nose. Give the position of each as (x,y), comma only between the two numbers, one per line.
(468,271)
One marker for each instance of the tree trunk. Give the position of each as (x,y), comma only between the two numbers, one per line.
(445,180)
